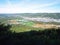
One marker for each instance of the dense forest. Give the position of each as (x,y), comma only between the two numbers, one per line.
(46,37)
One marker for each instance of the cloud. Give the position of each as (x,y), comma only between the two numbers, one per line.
(25,7)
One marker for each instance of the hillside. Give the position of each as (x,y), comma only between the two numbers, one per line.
(35,17)
(31,21)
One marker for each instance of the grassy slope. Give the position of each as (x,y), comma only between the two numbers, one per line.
(23,28)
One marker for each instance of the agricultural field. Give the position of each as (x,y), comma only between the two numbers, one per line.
(23,28)
(31,21)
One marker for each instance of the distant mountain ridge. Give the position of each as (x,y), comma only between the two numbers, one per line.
(51,15)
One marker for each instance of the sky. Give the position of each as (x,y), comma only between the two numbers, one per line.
(29,6)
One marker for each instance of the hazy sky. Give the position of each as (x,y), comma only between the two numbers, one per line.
(29,6)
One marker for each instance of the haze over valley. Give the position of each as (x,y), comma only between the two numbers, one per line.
(32,19)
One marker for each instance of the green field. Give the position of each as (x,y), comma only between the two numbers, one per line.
(23,28)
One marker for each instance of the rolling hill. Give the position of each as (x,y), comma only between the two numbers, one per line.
(40,17)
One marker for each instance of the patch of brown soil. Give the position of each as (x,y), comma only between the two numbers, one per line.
(45,26)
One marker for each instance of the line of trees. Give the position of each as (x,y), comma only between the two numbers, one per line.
(46,37)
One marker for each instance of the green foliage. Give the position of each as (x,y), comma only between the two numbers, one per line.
(23,28)
(46,37)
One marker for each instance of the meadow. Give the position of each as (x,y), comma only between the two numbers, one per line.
(23,28)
